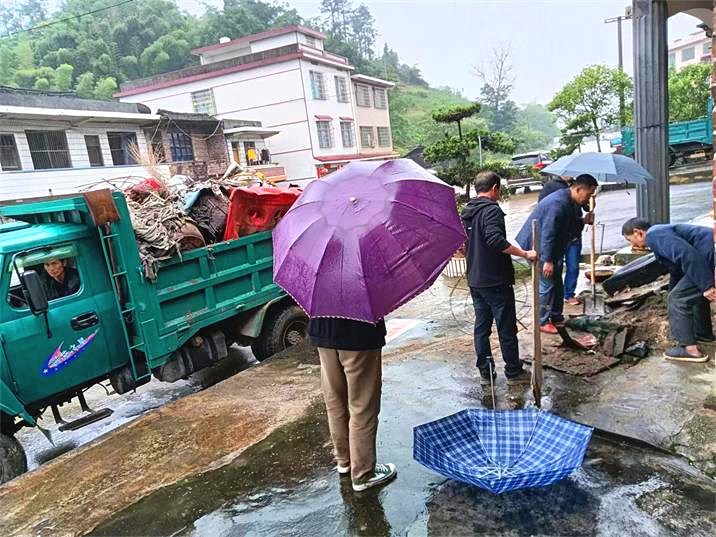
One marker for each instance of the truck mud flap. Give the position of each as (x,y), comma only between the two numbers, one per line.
(199,352)
(635,274)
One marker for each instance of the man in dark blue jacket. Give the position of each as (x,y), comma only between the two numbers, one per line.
(557,222)
(491,276)
(688,253)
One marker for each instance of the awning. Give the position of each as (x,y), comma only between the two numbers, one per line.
(323,118)
(345,118)
(260,132)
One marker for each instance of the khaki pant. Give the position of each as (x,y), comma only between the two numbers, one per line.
(351,383)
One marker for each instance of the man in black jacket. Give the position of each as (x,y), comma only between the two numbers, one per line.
(491,276)
(688,253)
(351,378)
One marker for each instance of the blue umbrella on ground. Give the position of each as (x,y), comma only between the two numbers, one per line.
(605,167)
(502,450)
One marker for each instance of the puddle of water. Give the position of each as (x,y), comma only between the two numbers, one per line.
(286,485)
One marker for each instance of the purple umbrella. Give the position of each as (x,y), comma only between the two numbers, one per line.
(364,240)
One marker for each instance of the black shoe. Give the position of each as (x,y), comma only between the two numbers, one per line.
(485,379)
(523,378)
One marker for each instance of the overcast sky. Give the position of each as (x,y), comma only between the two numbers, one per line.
(550,40)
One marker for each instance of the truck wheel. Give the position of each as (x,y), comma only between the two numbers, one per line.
(283,327)
(12,458)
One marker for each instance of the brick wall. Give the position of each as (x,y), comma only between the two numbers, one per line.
(211,157)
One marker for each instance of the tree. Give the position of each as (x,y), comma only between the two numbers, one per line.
(363,30)
(453,153)
(63,77)
(17,16)
(105,88)
(85,86)
(591,99)
(689,90)
(497,80)
(535,128)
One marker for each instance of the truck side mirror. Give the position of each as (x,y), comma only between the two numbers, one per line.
(34,291)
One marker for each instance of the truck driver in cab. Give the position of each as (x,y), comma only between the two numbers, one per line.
(59,279)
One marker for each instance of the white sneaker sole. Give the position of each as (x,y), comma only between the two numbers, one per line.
(360,487)
(691,359)
(343,470)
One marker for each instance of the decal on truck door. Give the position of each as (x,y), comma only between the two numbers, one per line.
(61,358)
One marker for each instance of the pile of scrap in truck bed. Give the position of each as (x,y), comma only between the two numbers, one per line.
(174,216)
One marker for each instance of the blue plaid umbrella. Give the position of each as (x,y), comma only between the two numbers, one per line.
(502,450)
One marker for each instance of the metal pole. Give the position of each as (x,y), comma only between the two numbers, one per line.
(621,70)
(479,141)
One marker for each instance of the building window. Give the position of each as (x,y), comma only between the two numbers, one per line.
(325,134)
(311,41)
(203,102)
(672,59)
(362,95)
(121,145)
(9,157)
(379,98)
(94,150)
(347,134)
(707,48)
(384,136)
(342,90)
(181,147)
(688,54)
(318,86)
(48,149)
(155,145)
(366,137)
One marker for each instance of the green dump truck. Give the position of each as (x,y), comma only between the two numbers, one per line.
(687,139)
(77,309)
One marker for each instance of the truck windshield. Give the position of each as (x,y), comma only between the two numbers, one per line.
(524,160)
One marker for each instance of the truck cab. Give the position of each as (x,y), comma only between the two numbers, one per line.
(77,308)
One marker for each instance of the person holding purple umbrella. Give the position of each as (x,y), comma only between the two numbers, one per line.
(351,380)
(491,277)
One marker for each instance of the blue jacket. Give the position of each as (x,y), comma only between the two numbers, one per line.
(557,224)
(685,250)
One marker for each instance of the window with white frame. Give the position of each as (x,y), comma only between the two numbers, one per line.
(325,134)
(94,150)
(707,48)
(362,95)
(311,41)
(347,134)
(318,86)
(203,102)
(9,157)
(379,98)
(366,137)
(342,89)
(123,146)
(688,54)
(384,136)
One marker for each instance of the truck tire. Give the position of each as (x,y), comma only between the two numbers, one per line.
(283,327)
(12,458)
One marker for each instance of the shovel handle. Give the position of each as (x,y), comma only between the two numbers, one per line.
(592,261)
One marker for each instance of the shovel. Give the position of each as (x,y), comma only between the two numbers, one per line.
(593,303)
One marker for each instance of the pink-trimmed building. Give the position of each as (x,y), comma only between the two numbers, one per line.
(324,115)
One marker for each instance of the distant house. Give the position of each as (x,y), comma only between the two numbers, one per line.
(324,114)
(56,143)
(694,48)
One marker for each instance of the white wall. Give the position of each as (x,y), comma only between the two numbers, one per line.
(29,182)
(272,94)
(274,42)
(330,107)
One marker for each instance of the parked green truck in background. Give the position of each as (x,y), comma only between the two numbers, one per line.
(686,138)
(118,325)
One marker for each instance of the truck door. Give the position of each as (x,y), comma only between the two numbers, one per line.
(77,351)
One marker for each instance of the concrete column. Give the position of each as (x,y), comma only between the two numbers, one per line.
(651,113)
(713,112)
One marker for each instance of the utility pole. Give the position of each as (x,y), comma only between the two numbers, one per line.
(618,20)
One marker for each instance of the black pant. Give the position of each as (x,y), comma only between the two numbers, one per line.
(689,313)
(498,304)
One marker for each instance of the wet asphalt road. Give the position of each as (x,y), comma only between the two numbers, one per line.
(688,201)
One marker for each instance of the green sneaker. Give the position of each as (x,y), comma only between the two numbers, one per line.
(382,474)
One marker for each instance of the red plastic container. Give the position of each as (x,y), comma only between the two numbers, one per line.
(257,208)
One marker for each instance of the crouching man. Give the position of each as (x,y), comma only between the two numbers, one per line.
(688,253)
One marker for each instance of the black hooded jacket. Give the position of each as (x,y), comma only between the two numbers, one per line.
(484,224)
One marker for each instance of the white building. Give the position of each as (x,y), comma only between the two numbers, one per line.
(286,80)
(57,144)
(694,48)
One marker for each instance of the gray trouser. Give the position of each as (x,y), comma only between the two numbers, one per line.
(689,313)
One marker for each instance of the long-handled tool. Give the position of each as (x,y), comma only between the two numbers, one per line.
(536,336)
(593,303)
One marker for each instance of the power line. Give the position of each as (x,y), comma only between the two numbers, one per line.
(73,17)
